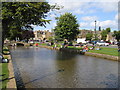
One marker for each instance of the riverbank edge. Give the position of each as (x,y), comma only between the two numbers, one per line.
(114,58)
(12,82)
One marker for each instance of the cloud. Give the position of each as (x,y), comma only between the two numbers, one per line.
(86,7)
(107,6)
(89,18)
(103,24)
(68,5)
(81,6)
(78,11)
(116,17)
(83,24)
(109,23)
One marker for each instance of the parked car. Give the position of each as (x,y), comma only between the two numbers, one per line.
(102,43)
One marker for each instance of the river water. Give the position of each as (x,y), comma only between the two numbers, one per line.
(45,68)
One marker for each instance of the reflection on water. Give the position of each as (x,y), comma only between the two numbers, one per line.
(44,68)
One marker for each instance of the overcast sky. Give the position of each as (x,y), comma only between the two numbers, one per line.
(105,12)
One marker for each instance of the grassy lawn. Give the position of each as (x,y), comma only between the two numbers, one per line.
(42,44)
(77,48)
(106,50)
(4,71)
(5,75)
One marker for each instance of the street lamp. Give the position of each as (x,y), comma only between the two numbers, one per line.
(95,29)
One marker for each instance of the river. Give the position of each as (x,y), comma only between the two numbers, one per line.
(45,68)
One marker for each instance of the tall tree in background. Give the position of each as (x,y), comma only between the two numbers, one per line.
(67,27)
(117,35)
(104,33)
(27,34)
(89,36)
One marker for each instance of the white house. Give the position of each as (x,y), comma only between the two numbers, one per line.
(81,40)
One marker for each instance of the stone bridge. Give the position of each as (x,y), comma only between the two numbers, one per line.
(13,43)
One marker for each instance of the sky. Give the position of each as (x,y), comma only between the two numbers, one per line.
(105,12)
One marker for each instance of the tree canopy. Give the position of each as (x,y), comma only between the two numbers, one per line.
(89,36)
(117,35)
(18,16)
(67,27)
(104,33)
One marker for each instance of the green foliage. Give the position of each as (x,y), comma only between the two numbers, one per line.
(51,38)
(108,30)
(117,35)
(104,33)
(27,34)
(67,27)
(89,36)
(18,16)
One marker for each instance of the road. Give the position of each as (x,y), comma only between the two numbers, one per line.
(111,46)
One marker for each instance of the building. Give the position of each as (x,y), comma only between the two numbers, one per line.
(84,32)
(42,35)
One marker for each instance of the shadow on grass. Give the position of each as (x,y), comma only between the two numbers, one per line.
(6,79)
(3,75)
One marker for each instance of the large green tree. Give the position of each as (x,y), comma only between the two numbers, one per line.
(18,16)
(67,27)
(117,35)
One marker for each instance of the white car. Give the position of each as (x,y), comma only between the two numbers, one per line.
(102,43)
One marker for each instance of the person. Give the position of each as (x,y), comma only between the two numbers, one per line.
(118,49)
(54,46)
(65,44)
(36,44)
(97,48)
(85,48)
(92,48)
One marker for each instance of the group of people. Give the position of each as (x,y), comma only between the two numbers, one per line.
(85,48)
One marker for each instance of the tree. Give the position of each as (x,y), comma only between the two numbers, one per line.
(108,30)
(18,16)
(27,35)
(67,27)
(89,36)
(117,35)
(104,33)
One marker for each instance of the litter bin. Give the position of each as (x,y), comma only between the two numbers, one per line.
(3,60)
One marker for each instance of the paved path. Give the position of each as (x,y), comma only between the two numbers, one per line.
(11,83)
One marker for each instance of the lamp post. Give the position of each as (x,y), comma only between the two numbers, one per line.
(95,29)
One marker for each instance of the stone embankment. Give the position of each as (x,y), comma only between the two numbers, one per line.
(115,58)
(49,47)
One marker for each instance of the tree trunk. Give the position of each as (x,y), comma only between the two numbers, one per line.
(1,40)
